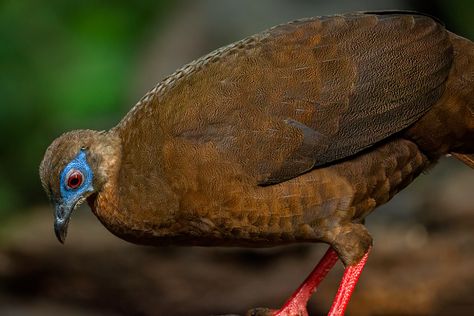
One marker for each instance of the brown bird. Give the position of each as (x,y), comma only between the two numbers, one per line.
(292,135)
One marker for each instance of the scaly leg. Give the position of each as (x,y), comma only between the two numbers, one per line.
(296,304)
(346,287)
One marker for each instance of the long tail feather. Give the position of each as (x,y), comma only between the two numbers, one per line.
(468,159)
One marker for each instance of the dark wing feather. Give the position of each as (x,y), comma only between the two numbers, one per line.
(307,93)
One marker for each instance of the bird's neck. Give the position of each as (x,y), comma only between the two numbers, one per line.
(136,178)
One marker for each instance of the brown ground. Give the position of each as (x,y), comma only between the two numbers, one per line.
(422,264)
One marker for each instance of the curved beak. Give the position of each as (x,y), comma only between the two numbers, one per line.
(62,216)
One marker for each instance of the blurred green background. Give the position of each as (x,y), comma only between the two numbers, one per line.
(82,64)
(65,65)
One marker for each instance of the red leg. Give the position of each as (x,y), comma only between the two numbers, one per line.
(348,283)
(296,304)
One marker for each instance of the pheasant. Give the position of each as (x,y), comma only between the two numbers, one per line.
(295,134)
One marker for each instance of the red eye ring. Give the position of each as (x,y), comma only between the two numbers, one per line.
(74,179)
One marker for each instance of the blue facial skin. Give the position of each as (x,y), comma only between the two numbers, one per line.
(70,197)
(78,163)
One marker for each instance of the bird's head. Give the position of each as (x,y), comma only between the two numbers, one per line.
(75,166)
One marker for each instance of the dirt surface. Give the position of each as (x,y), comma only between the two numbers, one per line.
(422,264)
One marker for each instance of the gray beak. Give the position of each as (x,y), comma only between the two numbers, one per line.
(62,215)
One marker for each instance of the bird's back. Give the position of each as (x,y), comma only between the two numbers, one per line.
(299,95)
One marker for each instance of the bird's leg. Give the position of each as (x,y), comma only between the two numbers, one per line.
(346,287)
(296,304)
(351,243)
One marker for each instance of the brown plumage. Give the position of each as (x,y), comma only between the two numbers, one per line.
(294,134)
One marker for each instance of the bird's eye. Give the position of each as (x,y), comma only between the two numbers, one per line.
(74,179)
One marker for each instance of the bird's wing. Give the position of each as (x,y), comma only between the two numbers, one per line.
(307,93)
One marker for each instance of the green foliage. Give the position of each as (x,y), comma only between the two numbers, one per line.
(64,65)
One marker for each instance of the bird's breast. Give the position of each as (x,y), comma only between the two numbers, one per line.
(220,206)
